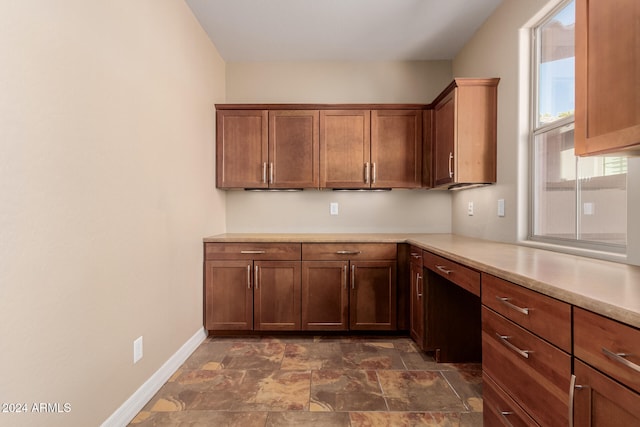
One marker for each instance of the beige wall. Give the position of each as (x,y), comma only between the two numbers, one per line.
(501,48)
(338,82)
(106,190)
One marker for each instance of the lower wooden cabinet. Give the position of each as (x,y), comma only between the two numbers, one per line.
(228,295)
(606,389)
(325,295)
(600,401)
(268,287)
(372,302)
(276,295)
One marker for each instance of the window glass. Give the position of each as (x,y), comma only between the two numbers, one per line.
(576,201)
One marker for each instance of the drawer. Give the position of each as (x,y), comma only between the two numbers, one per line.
(534,372)
(252,251)
(542,315)
(349,251)
(600,341)
(462,276)
(500,409)
(415,255)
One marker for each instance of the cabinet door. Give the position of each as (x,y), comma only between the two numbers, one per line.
(277,295)
(325,295)
(294,153)
(396,148)
(443,142)
(228,295)
(372,302)
(607,76)
(427,148)
(345,148)
(417,304)
(602,402)
(241,148)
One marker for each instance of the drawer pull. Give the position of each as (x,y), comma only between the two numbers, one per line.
(505,341)
(505,301)
(416,255)
(253,252)
(348,252)
(444,269)
(620,358)
(504,415)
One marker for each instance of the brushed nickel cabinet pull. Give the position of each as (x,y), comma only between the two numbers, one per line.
(415,255)
(366,173)
(620,358)
(344,277)
(252,252)
(418,280)
(264,172)
(572,388)
(444,269)
(271,173)
(450,165)
(353,277)
(505,301)
(373,173)
(248,276)
(505,340)
(256,278)
(348,252)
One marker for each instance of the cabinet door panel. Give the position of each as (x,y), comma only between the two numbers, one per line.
(277,295)
(228,295)
(443,141)
(345,148)
(416,309)
(373,295)
(601,401)
(325,295)
(396,148)
(294,153)
(241,148)
(607,70)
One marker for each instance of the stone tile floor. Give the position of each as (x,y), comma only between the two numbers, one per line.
(316,381)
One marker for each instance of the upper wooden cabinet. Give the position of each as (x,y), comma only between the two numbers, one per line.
(267,149)
(241,148)
(345,148)
(607,116)
(464,133)
(371,149)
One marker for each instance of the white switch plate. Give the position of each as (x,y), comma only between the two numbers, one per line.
(588,208)
(470,209)
(137,350)
(500,207)
(333,208)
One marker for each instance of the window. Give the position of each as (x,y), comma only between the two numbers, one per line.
(575,201)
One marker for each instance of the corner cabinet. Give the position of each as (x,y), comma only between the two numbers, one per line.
(267,149)
(464,133)
(607,116)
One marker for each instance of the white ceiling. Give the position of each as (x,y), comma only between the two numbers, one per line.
(338,30)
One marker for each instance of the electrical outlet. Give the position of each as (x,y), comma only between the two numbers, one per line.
(500,207)
(470,209)
(333,208)
(137,350)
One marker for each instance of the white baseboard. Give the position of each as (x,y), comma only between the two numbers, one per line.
(130,408)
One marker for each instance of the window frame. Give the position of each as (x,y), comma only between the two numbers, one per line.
(537,129)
